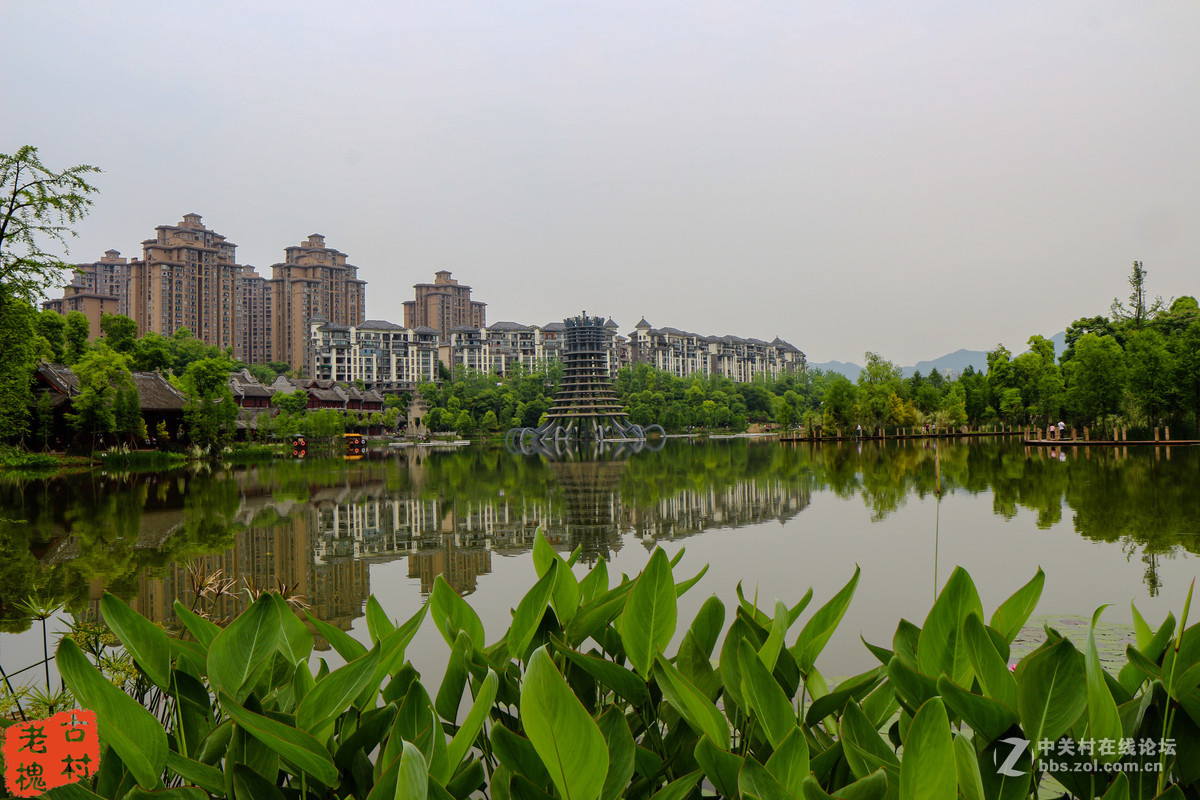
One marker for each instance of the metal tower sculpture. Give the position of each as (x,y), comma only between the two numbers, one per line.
(586,406)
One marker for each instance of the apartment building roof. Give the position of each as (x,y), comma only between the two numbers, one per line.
(379,325)
(508,326)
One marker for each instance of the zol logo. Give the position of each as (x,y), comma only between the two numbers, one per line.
(1008,767)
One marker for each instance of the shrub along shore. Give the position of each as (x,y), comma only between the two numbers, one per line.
(580,699)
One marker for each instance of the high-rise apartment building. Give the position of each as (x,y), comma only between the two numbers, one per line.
(98,288)
(254,304)
(314,282)
(443,305)
(187,278)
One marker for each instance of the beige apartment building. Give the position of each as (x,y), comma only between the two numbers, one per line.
(443,305)
(314,282)
(101,287)
(91,304)
(254,305)
(187,278)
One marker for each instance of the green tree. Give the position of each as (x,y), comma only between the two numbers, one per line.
(391,417)
(77,332)
(127,414)
(1095,377)
(1151,368)
(51,326)
(465,423)
(291,402)
(119,331)
(1136,313)
(103,373)
(1187,371)
(38,206)
(490,422)
(210,410)
(43,420)
(19,345)
(877,381)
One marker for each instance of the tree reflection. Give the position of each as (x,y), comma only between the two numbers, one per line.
(316,524)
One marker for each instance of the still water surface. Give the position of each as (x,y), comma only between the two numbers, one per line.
(1106,525)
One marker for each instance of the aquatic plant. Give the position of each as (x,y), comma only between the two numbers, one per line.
(580,699)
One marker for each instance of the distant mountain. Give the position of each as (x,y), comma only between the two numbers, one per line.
(849,370)
(954,362)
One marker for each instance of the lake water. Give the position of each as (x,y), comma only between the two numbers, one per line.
(1106,525)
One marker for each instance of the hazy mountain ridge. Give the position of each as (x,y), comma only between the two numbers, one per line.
(956,362)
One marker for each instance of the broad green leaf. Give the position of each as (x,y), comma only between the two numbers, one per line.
(872,787)
(529,613)
(208,778)
(566,738)
(648,622)
(249,785)
(177,793)
(720,766)
(145,641)
(295,639)
(1141,628)
(594,617)
(609,673)
(789,762)
(682,587)
(465,736)
(730,669)
(378,624)
(679,788)
(238,653)
(129,729)
(565,596)
(1051,691)
(912,688)
(621,748)
(756,781)
(927,771)
(595,583)
(905,641)
(203,629)
(864,749)
(1119,790)
(334,694)
(689,701)
(857,687)
(292,744)
(988,718)
(987,663)
(1010,617)
(1011,753)
(765,696)
(518,754)
(966,765)
(343,643)
(454,680)
(1103,720)
(707,624)
(940,647)
(815,634)
(452,614)
(412,780)
(769,652)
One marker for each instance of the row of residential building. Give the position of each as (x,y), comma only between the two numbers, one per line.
(311,314)
(392,357)
(188,277)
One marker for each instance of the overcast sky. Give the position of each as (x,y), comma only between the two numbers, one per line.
(908,178)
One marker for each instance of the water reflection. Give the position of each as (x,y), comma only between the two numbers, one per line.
(314,528)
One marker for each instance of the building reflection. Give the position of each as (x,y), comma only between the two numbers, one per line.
(319,549)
